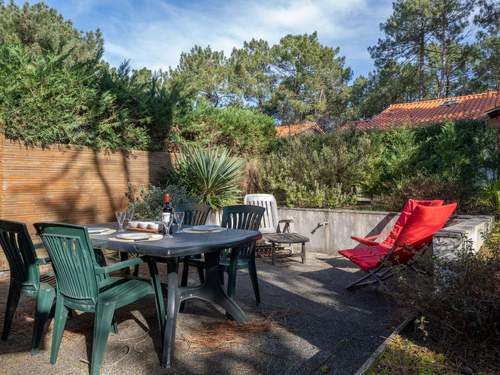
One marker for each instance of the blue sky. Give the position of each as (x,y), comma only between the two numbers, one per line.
(153,33)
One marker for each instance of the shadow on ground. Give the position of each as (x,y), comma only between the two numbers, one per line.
(306,321)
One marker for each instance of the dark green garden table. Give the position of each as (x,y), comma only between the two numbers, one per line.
(168,250)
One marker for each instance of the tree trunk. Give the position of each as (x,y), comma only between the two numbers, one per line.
(421,61)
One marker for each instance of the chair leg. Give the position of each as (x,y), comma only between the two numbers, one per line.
(355,283)
(136,270)
(44,302)
(231,280)
(184,281)
(221,277)
(201,274)
(114,325)
(123,257)
(252,271)
(12,301)
(60,318)
(102,321)
(159,302)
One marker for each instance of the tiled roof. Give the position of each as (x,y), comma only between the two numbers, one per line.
(287,130)
(467,107)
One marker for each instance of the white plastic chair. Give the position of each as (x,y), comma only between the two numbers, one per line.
(270,220)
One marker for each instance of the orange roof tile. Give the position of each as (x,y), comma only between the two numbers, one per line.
(287,130)
(467,107)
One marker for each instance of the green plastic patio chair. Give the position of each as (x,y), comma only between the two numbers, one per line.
(84,285)
(194,214)
(237,217)
(25,279)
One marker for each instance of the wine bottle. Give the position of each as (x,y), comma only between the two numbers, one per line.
(166,216)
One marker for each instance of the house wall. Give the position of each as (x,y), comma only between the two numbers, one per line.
(71,184)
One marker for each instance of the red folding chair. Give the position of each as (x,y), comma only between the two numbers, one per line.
(408,209)
(380,263)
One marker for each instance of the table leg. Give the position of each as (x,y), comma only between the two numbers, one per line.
(273,253)
(303,253)
(173,303)
(211,291)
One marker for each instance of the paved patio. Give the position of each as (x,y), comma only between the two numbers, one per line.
(306,324)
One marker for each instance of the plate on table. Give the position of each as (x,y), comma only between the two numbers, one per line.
(97,230)
(133,236)
(204,229)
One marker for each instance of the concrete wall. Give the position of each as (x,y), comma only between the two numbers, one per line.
(342,224)
(462,231)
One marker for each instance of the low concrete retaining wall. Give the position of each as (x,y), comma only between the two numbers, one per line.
(462,231)
(342,224)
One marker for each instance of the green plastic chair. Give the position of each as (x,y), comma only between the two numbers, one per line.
(84,285)
(25,279)
(246,217)
(194,214)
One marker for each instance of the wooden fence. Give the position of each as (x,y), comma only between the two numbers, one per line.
(71,184)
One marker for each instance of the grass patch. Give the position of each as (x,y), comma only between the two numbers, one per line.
(403,356)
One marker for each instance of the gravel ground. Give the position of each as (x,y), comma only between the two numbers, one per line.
(307,323)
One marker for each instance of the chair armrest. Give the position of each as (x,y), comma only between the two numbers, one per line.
(285,221)
(41,261)
(374,236)
(118,266)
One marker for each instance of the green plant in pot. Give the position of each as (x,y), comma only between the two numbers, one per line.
(212,174)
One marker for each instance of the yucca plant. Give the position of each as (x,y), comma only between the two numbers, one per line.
(212,174)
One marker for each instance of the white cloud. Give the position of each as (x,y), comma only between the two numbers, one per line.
(154,33)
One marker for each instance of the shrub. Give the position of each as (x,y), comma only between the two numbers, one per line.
(148,201)
(459,309)
(317,171)
(46,100)
(242,131)
(213,175)
(451,161)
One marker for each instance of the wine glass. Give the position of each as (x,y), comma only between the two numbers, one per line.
(179,218)
(120,218)
(167,224)
(129,214)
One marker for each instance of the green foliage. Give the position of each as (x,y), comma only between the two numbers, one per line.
(242,131)
(45,100)
(202,73)
(42,30)
(318,171)
(148,201)
(55,89)
(212,174)
(490,194)
(452,161)
(296,79)
(310,80)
